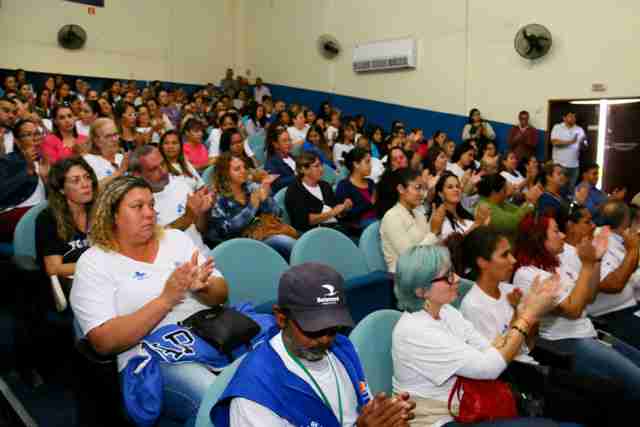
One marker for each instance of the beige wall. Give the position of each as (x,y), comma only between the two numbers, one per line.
(466,56)
(186,41)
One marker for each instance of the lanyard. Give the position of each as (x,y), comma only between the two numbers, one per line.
(317,386)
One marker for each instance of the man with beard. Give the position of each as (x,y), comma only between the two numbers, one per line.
(175,204)
(308,374)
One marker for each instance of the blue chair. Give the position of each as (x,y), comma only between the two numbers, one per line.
(207,175)
(257,144)
(329,175)
(371,246)
(366,291)
(328,246)
(212,395)
(372,340)
(279,198)
(251,268)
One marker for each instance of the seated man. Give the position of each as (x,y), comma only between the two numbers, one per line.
(175,206)
(308,374)
(594,197)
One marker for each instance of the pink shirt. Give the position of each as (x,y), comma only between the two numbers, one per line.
(197,155)
(53,149)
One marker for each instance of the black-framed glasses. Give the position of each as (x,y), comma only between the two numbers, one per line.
(328,332)
(449,277)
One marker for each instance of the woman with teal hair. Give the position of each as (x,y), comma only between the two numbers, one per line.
(433,344)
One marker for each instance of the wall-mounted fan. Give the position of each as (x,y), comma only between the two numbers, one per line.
(72,36)
(533,41)
(328,46)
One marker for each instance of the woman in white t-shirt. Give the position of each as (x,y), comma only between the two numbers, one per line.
(448,215)
(298,132)
(433,344)
(541,252)
(174,160)
(491,305)
(105,158)
(345,142)
(508,166)
(138,277)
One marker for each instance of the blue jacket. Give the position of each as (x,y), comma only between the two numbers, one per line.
(595,199)
(263,378)
(307,146)
(275,165)
(17,184)
(141,380)
(346,190)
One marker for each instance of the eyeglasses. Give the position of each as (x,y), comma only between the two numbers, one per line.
(328,332)
(450,278)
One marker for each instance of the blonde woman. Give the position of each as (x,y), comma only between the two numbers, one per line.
(104,155)
(137,277)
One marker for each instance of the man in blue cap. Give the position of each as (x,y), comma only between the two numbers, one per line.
(309,374)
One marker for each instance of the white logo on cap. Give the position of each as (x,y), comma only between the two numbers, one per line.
(331,297)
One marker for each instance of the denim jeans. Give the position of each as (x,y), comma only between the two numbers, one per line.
(620,361)
(281,243)
(184,387)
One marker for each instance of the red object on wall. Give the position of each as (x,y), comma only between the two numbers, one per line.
(92,11)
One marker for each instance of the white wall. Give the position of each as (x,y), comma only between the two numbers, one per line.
(466,56)
(187,41)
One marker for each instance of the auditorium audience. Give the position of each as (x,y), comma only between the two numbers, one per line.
(310,201)
(61,143)
(541,252)
(595,197)
(509,171)
(194,150)
(405,225)
(298,130)
(523,138)
(176,203)
(567,138)
(478,129)
(23,174)
(311,363)
(615,304)
(126,119)
(231,141)
(137,277)
(175,162)
(359,189)
(433,345)
(62,228)
(257,122)
(345,142)
(552,201)
(462,161)
(88,114)
(531,171)
(241,204)
(279,160)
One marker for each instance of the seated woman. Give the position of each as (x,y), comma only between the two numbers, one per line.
(541,252)
(231,141)
(494,191)
(61,143)
(462,160)
(491,306)
(387,185)
(240,203)
(23,175)
(257,123)
(433,344)
(104,155)
(317,144)
(404,225)
(376,136)
(174,160)
(310,202)
(137,277)
(509,171)
(448,216)
(298,130)
(359,189)
(552,201)
(531,171)
(126,120)
(279,160)
(88,114)
(194,149)
(344,143)
(61,229)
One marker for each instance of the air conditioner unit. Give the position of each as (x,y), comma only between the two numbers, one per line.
(385,55)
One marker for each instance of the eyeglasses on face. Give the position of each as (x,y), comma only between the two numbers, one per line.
(449,277)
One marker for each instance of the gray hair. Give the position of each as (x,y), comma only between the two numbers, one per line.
(415,269)
(135,167)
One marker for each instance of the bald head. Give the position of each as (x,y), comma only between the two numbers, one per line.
(616,215)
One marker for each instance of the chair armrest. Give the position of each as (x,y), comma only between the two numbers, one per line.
(58,295)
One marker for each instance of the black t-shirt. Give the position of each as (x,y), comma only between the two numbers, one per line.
(49,243)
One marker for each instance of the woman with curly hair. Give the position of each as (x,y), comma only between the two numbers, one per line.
(138,277)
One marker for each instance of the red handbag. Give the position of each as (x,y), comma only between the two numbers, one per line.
(482,400)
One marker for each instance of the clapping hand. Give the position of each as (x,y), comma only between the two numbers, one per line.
(385,411)
(582,193)
(200,273)
(541,298)
(601,242)
(483,215)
